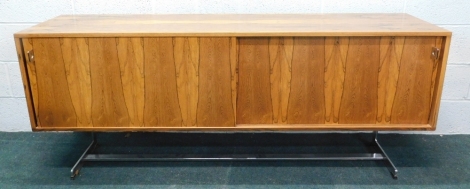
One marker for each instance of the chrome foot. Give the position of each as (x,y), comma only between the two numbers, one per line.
(78,165)
(391,167)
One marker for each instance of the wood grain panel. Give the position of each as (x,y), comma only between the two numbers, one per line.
(359,102)
(254,92)
(186,55)
(306,101)
(234,72)
(161,95)
(234,25)
(32,76)
(108,106)
(215,90)
(77,69)
(441,69)
(413,96)
(391,49)
(55,107)
(336,51)
(280,60)
(435,69)
(22,61)
(131,63)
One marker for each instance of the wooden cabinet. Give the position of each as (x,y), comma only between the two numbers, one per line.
(233,72)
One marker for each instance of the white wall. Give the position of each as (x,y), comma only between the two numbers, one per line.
(453,15)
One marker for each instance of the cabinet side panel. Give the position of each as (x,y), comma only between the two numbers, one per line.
(108,105)
(306,100)
(77,66)
(215,93)
(413,97)
(254,92)
(55,107)
(162,107)
(22,61)
(359,102)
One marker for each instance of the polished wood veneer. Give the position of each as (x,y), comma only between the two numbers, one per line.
(233,72)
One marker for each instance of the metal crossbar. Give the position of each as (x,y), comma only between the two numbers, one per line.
(88,155)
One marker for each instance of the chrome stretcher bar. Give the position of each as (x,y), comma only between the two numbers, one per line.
(89,156)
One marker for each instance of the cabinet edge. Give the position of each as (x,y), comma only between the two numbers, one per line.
(252,127)
(26,85)
(437,101)
(234,34)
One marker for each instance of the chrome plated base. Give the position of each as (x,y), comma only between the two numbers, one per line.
(89,156)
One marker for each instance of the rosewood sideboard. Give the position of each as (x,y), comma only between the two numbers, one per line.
(233,72)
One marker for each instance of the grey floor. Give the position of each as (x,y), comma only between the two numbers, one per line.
(43,160)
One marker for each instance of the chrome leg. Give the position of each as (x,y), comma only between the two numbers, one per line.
(78,165)
(393,170)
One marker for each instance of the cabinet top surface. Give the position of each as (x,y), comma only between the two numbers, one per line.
(234,25)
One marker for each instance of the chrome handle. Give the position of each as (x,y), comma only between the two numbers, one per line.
(435,53)
(30,55)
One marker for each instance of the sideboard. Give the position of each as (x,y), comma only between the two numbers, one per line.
(233,72)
